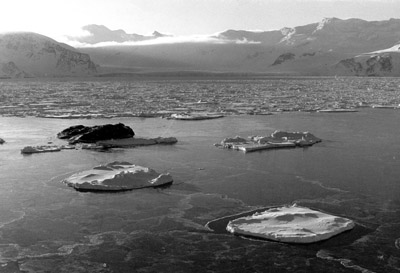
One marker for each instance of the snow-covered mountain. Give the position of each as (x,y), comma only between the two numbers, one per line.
(321,48)
(348,36)
(26,54)
(330,47)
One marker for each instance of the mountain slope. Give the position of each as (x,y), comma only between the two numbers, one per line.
(183,56)
(30,54)
(384,62)
(320,48)
(10,70)
(348,36)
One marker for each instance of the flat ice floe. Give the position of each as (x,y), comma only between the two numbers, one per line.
(290,224)
(196,116)
(135,141)
(337,110)
(278,139)
(117,176)
(40,149)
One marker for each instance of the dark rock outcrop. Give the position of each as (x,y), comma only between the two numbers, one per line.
(10,70)
(379,64)
(351,65)
(80,133)
(73,131)
(1,141)
(283,58)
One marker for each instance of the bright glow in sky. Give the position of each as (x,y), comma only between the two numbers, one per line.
(57,18)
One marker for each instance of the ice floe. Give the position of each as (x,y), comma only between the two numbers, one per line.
(196,116)
(278,139)
(136,141)
(337,110)
(290,224)
(117,176)
(40,149)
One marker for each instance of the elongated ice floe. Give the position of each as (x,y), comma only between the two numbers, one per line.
(278,139)
(196,116)
(337,110)
(290,224)
(40,149)
(135,141)
(117,176)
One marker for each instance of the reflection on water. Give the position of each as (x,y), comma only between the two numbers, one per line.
(47,226)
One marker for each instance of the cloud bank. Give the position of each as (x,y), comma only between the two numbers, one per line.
(101,36)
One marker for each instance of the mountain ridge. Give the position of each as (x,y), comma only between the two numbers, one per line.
(319,48)
(333,46)
(352,28)
(28,54)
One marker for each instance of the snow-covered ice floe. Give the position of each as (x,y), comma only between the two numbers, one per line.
(196,116)
(40,149)
(117,176)
(278,139)
(290,224)
(337,110)
(386,106)
(135,141)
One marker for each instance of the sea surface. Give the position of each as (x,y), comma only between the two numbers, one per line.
(46,226)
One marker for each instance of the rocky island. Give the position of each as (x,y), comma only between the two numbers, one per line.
(278,139)
(99,138)
(290,224)
(117,176)
(2,141)
(110,136)
(87,134)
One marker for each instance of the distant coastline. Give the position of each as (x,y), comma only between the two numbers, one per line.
(193,74)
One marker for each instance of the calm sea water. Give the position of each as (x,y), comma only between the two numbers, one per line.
(354,172)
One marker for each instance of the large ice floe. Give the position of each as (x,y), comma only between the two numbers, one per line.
(290,224)
(278,139)
(117,176)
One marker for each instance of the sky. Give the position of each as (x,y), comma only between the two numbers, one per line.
(60,18)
